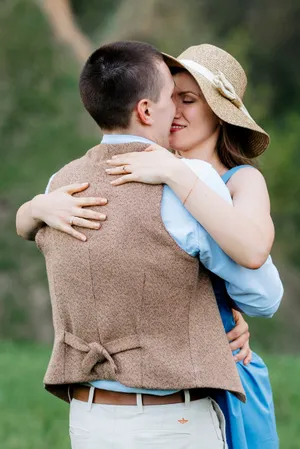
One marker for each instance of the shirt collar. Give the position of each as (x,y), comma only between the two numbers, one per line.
(124,138)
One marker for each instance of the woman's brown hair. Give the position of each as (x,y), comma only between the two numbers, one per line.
(230,146)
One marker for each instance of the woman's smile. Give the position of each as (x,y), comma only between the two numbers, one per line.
(175,127)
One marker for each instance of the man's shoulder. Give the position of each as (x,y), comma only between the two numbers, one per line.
(71,172)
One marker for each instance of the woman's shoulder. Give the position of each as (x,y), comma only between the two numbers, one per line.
(242,175)
(243,170)
(246,178)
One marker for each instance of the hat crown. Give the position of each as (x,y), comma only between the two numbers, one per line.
(215,59)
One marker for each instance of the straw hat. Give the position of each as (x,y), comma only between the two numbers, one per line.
(223,83)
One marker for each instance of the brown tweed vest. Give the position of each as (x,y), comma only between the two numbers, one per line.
(129,304)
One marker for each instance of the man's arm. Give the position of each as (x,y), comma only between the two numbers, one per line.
(255,292)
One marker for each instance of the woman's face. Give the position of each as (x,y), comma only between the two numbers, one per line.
(194,122)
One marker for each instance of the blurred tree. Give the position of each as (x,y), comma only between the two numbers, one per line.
(62,19)
(43,124)
(95,16)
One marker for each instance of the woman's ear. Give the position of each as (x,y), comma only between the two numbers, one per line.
(144,112)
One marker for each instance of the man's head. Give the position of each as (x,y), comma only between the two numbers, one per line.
(127,88)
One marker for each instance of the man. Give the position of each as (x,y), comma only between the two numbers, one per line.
(133,309)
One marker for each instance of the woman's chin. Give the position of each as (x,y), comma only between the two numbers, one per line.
(175,143)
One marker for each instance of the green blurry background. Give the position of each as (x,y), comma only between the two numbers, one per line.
(43,125)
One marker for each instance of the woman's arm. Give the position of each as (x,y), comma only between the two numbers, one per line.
(59,210)
(27,225)
(245,232)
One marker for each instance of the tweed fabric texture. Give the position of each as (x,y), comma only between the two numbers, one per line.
(129,304)
(254,139)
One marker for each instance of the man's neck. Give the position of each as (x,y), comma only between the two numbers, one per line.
(137,132)
(112,139)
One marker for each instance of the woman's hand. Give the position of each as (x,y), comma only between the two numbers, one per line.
(239,339)
(152,166)
(60,210)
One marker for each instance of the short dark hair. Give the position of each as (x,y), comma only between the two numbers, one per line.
(116,77)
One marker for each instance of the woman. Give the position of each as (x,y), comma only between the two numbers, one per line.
(211,124)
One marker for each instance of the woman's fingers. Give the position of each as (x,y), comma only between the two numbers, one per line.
(240,328)
(67,229)
(82,223)
(124,180)
(90,201)
(119,170)
(74,188)
(117,162)
(248,358)
(244,355)
(152,148)
(239,342)
(88,214)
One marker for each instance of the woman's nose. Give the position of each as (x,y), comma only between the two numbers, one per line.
(177,111)
(177,114)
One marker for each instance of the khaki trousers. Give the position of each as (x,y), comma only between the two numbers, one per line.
(191,425)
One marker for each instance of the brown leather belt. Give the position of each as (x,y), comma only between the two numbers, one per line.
(81,393)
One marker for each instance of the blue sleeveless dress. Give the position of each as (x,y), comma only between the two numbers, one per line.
(251,425)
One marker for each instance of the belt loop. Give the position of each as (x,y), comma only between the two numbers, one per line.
(91,397)
(187,399)
(139,402)
(69,394)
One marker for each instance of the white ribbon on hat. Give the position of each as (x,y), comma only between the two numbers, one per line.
(220,82)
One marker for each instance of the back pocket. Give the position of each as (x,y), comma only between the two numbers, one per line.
(161,439)
(79,437)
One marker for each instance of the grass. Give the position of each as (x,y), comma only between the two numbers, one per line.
(30,418)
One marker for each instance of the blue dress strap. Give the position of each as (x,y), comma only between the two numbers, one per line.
(231,172)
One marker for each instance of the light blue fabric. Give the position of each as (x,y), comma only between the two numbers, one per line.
(232,171)
(251,425)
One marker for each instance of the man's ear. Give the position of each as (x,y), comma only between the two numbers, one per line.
(144,112)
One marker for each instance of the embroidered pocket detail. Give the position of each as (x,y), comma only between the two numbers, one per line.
(183,421)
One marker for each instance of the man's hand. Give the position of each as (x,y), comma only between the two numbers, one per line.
(239,339)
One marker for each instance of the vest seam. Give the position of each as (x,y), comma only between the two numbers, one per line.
(141,330)
(57,310)
(189,334)
(93,293)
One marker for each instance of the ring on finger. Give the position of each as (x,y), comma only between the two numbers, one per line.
(71,220)
(124,169)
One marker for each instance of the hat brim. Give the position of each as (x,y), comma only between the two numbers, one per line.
(257,139)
